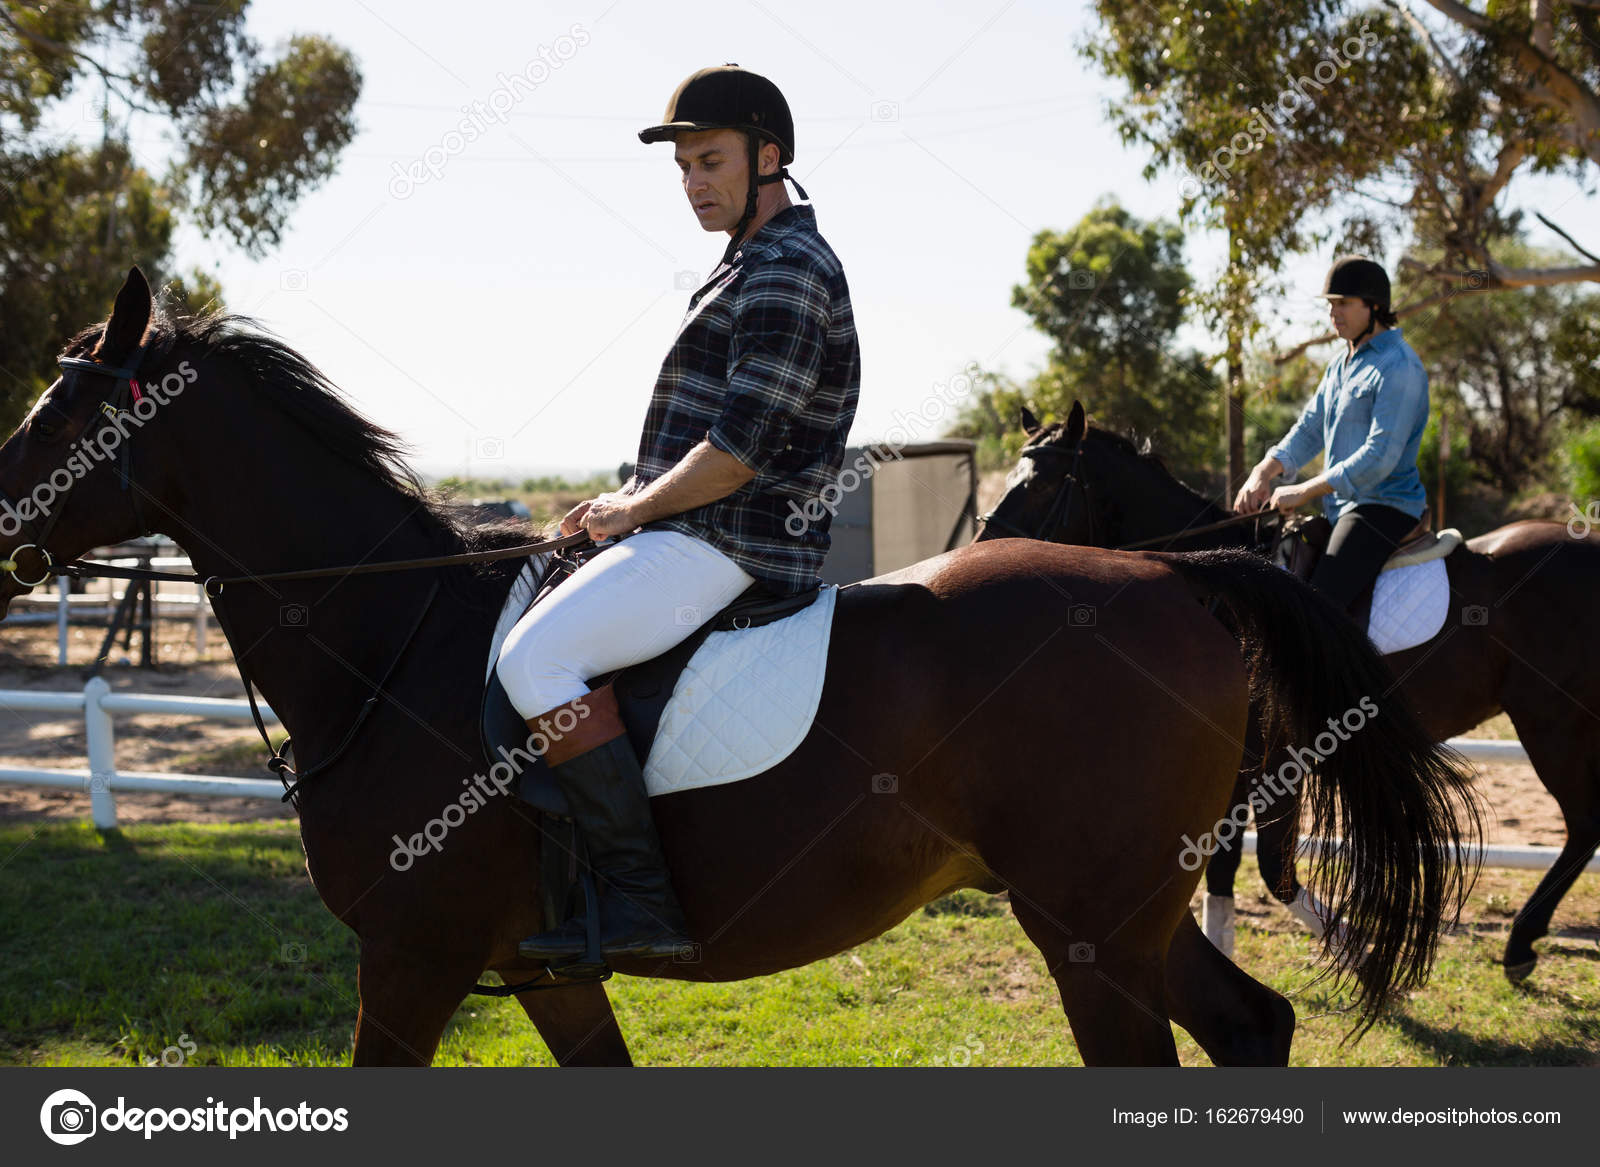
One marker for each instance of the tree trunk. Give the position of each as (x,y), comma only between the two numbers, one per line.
(1234,389)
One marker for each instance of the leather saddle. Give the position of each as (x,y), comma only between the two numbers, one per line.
(1304,538)
(642,690)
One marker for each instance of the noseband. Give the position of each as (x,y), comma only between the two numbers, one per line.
(126,394)
(1055,519)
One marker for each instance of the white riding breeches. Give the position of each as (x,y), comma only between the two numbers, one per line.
(629,603)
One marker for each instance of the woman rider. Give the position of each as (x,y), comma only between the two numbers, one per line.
(1368,413)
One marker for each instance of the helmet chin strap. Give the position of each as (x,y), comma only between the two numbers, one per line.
(1372,321)
(753,196)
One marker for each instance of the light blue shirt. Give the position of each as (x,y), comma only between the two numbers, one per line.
(1368,413)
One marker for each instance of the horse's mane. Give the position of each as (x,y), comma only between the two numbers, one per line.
(294,385)
(1143,453)
(1140,452)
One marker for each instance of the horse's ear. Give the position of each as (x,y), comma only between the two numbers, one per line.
(1029,422)
(130,317)
(1076,424)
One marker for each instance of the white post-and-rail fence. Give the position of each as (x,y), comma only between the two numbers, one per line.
(168,600)
(102,779)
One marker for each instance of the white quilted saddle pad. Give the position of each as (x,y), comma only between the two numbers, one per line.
(1409,606)
(742,704)
(744,701)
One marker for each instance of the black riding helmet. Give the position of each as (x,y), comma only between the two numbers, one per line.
(726,97)
(1363,278)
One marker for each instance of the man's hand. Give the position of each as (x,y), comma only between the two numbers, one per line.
(572,521)
(608,515)
(604,516)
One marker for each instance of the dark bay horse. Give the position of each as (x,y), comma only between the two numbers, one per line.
(974,730)
(1521,637)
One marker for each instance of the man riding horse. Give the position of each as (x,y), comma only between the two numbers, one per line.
(1368,413)
(748,419)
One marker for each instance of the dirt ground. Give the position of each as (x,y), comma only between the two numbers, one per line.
(1523,813)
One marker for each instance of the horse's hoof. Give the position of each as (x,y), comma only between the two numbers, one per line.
(1521,971)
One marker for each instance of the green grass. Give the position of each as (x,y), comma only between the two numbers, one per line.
(116,948)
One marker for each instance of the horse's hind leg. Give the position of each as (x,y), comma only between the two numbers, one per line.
(1114,996)
(1236,1019)
(577,1024)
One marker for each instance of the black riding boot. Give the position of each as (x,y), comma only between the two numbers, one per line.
(639,914)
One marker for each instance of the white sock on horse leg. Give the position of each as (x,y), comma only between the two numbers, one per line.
(1216,919)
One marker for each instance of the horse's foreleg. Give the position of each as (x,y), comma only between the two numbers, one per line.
(407,998)
(577,1024)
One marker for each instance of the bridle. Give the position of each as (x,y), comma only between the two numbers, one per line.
(1060,511)
(126,394)
(1055,519)
(127,391)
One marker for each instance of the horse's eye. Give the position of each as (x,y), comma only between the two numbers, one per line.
(46,431)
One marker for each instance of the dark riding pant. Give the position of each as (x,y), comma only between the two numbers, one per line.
(1362,539)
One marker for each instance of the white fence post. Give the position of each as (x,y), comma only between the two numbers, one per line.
(202,605)
(63,606)
(102,754)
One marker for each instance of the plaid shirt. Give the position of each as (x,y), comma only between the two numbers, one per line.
(765,367)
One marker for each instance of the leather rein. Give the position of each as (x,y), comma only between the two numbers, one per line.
(127,392)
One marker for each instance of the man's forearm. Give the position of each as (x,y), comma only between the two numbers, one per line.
(705,475)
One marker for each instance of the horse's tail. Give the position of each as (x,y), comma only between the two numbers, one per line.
(1404,804)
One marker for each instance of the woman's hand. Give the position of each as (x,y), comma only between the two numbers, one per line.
(1289,499)
(1252,495)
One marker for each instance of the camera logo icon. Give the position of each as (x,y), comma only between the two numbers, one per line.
(885,111)
(686,281)
(1082,615)
(1080,281)
(293,279)
(292,616)
(1081,953)
(68,1117)
(490,449)
(292,952)
(1475,616)
(885,784)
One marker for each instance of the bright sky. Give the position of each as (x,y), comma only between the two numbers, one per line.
(509,313)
